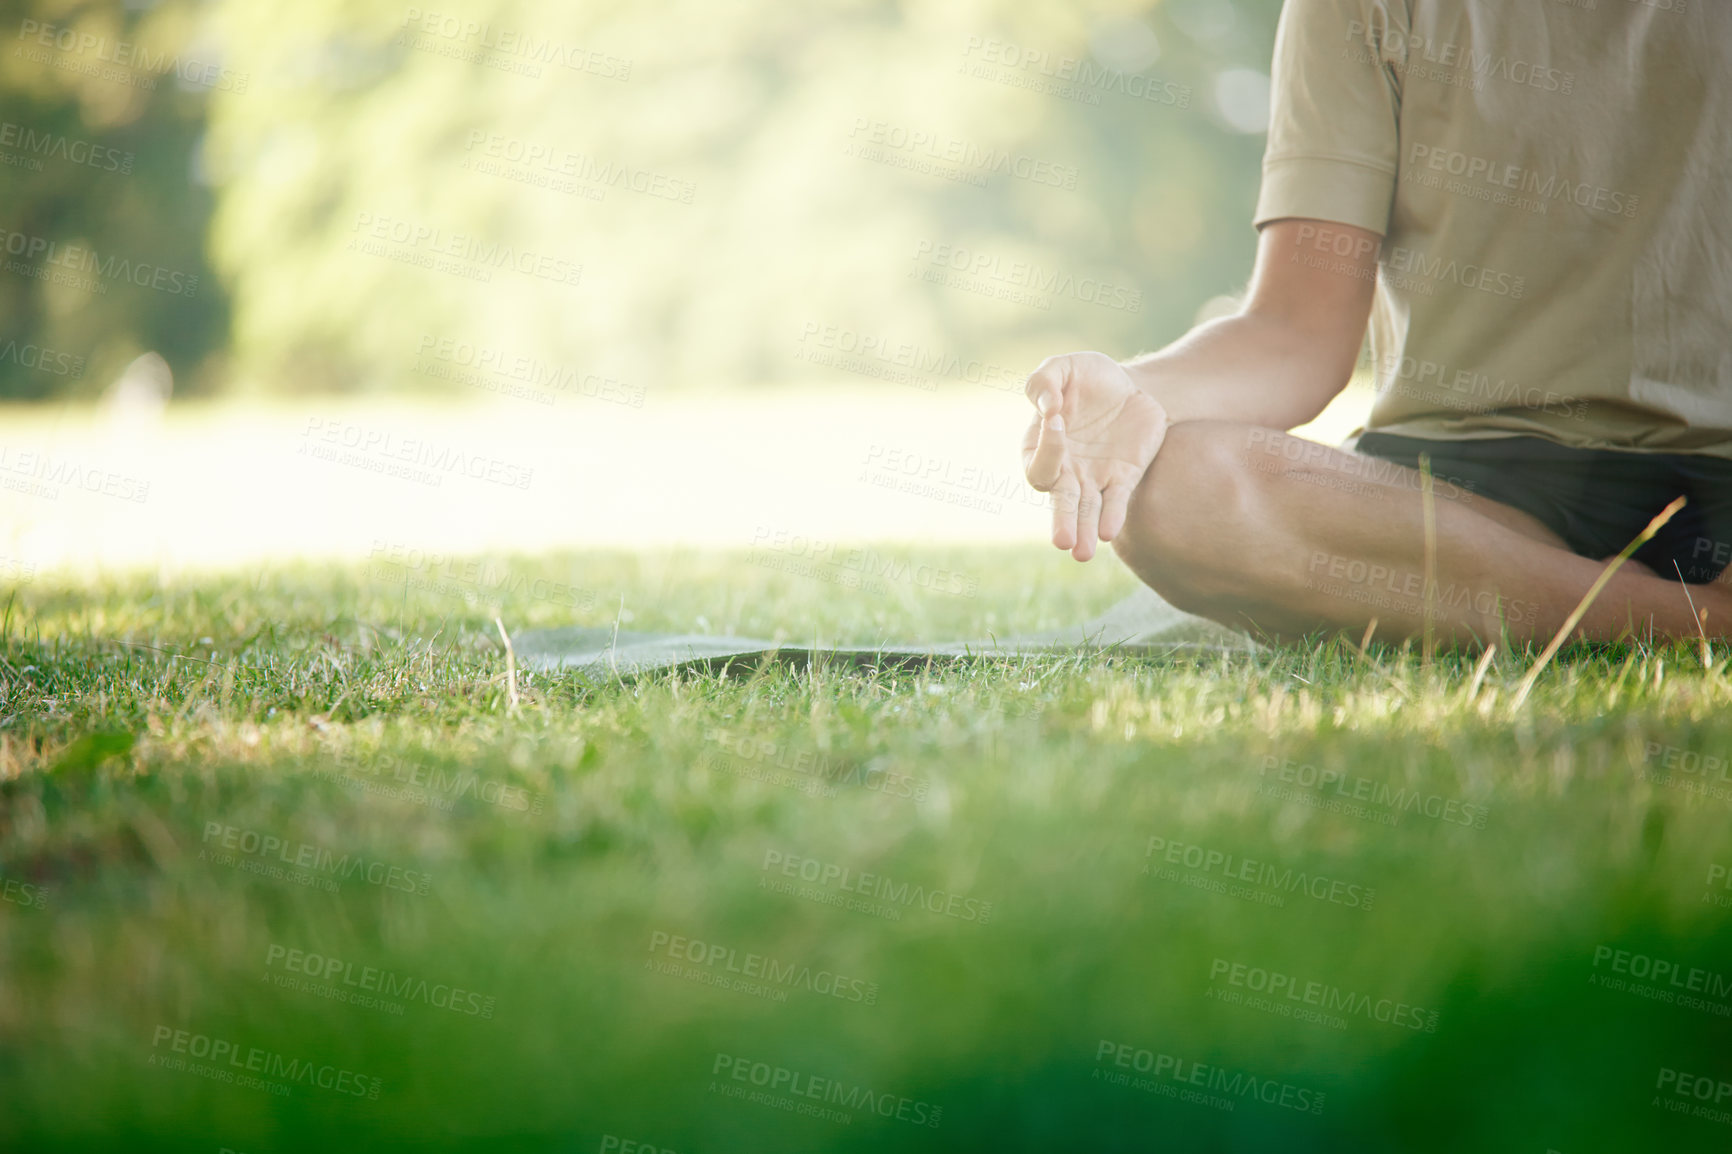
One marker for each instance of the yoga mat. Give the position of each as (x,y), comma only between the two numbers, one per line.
(1142,624)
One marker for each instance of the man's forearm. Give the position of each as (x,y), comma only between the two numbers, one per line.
(1252,368)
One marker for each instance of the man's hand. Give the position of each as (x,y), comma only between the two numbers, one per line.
(1090,445)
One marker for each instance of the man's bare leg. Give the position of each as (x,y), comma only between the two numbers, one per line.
(1227,524)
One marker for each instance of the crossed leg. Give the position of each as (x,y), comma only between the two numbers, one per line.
(1255,528)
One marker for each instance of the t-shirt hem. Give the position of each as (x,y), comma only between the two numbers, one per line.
(1419,431)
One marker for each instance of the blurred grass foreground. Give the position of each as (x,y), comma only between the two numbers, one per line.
(290,863)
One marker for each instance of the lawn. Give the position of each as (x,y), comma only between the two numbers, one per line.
(286,869)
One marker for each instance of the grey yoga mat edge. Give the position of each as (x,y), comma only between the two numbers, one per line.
(1140,625)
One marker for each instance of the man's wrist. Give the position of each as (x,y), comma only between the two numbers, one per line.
(1153,376)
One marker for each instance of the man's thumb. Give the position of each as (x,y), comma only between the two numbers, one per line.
(1046,465)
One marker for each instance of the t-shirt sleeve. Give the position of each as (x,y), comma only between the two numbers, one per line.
(1334,107)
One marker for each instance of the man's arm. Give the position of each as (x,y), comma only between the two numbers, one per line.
(1276,364)
(1290,349)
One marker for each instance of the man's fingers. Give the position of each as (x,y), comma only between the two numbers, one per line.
(1045,387)
(1115,501)
(1046,464)
(1088,515)
(1064,505)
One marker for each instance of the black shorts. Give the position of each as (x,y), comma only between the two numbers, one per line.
(1597,500)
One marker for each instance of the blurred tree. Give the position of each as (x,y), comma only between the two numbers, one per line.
(102,218)
(730,177)
(618,196)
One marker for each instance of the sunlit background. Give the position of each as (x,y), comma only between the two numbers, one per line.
(290,280)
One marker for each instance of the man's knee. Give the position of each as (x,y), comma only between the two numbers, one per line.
(1183,532)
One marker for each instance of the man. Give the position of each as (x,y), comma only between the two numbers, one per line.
(1533,202)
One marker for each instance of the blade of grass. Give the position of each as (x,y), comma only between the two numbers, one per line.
(1587,600)
(1700,617)
(1479,671)
(510,668)
(1429,643)
(1374,666)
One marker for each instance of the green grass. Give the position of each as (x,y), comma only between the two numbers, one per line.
(559,842)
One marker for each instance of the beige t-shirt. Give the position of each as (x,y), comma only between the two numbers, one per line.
(1553,183)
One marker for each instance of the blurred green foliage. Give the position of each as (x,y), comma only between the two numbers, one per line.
(667,194)
(103,221)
